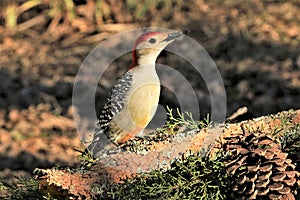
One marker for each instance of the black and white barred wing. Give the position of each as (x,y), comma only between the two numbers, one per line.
(113,105)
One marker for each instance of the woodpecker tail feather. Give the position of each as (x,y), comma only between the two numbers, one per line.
(100,141)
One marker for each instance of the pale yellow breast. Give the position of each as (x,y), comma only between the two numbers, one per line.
(143,103)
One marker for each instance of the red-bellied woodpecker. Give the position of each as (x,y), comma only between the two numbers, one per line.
(134,99)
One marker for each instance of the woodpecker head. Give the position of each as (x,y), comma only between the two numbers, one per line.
(148,46)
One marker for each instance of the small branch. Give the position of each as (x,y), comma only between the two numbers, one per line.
(236,114)
(40,19)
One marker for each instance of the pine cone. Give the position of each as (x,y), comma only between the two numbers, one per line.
(257,167)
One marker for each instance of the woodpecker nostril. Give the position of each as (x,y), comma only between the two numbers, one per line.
(172,36)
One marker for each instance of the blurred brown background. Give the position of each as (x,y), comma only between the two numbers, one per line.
(255,45)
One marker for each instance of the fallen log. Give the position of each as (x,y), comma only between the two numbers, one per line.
(146,155)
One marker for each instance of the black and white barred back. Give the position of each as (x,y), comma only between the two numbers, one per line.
(114,104)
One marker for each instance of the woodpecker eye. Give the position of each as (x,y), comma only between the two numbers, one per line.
(152,40)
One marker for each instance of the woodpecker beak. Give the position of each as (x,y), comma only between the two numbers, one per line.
(173,36)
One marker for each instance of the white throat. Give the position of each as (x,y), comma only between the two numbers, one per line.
(148,59)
